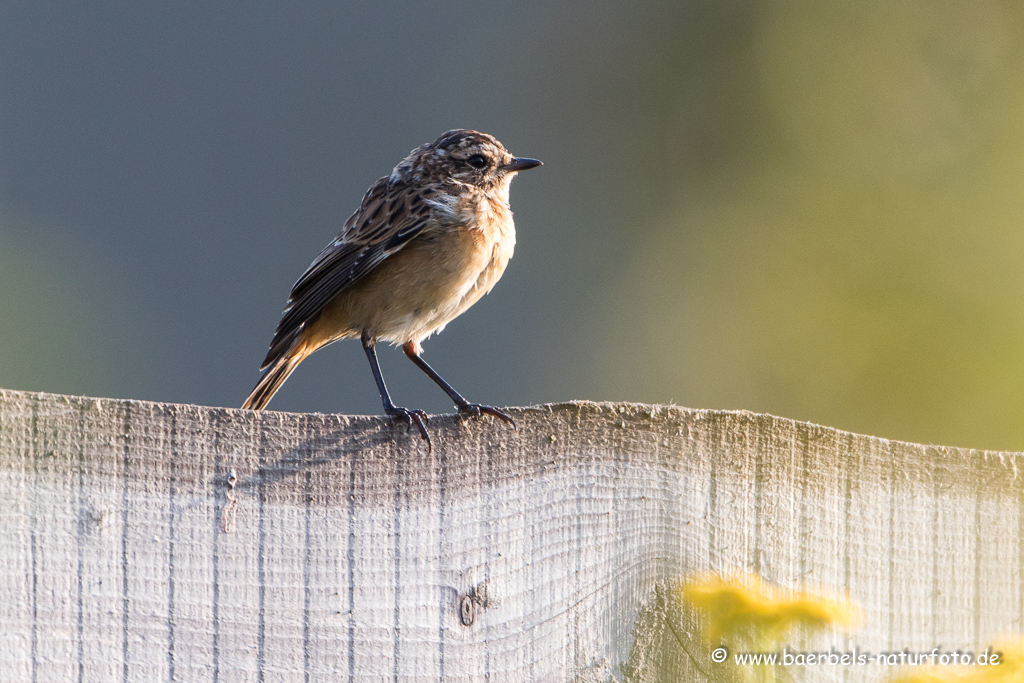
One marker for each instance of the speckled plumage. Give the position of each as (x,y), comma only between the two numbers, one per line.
(426,243)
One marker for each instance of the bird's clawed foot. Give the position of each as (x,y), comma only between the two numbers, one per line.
(476,410)
(417,417)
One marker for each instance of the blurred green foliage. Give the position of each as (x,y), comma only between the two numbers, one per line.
(862,266)
(54,314)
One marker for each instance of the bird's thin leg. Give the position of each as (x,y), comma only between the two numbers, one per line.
(412,350)
(416,416)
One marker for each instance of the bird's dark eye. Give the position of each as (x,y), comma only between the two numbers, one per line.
(477,161)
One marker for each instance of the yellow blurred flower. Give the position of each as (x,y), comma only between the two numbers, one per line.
(1010,668)
(743,606)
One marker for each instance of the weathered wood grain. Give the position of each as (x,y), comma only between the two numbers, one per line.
(153,542)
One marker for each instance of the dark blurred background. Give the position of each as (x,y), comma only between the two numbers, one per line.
(810,209)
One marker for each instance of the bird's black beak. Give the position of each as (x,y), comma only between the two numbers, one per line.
(520,164)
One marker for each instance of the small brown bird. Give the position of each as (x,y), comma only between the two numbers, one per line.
(425,244)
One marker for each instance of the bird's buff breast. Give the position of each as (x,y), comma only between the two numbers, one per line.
(432,280)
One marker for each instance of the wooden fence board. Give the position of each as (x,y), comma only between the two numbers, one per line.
(155,542)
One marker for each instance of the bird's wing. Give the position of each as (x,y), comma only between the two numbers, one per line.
(386,220)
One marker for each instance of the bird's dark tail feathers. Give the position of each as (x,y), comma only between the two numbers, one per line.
(272,380)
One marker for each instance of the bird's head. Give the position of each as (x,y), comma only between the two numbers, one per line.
(463,156)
